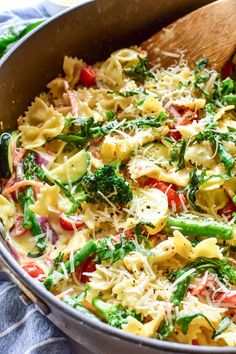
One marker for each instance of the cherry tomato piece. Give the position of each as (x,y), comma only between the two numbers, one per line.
(33,270)
(88,266)
(69,223)
(174,135)
(88,76)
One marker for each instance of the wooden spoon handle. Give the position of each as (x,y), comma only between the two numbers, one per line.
(207,32)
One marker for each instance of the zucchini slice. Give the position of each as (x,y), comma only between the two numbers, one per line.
(7,146)
(71,170)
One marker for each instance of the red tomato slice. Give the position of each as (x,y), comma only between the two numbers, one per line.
(17,229)
(88,266)
(33,270)
(88,75)
(69,223)
(174,135)
(225,298)
(170,192)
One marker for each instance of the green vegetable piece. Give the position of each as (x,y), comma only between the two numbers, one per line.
(115,315)
(224,324)
(230,99)
(139,72)
(105,186)
(88,250)
(201,64)
(111,115)
(71,170)
(224,156)
(108,250)
(181,288)
(192,227)
(185,321)
(166,330)
(76,303)
(139,235)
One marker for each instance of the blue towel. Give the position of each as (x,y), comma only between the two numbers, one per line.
(23,329)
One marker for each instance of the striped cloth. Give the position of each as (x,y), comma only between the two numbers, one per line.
(23,329)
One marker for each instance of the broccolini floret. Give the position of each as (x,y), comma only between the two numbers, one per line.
(106,186)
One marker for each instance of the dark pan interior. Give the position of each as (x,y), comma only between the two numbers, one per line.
(90,32)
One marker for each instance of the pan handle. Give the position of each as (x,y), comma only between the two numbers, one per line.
(26,294)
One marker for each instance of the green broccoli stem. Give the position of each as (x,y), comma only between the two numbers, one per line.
(88,250)
(30,220)
(192,227)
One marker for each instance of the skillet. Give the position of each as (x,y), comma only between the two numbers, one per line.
(91,32)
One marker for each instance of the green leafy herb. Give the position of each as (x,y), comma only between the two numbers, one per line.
(139,72)
(140,237)
(108,250)
(201,64)
(185,321)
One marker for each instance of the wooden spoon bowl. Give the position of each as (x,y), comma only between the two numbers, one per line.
(208,32)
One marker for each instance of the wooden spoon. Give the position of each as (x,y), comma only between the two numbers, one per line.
(209,32)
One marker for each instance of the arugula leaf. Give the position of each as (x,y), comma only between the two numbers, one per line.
(193,188)
(139,72)
(177,153)
(201,64)
(184,321)
(139,235)
(181,288)
(108,250)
